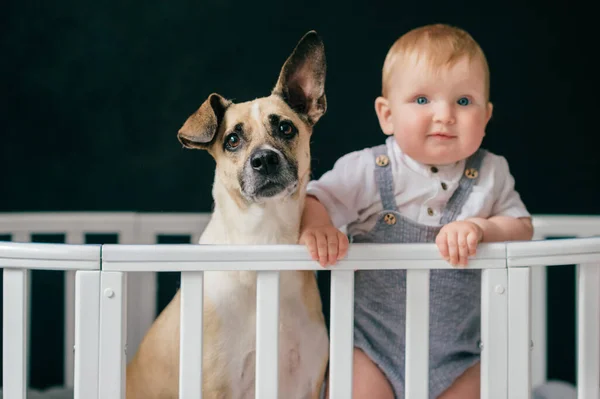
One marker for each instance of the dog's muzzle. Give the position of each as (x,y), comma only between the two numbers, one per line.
(268,174)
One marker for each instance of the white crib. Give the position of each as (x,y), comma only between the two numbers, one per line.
(110,300)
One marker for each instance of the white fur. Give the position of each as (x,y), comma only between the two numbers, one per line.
(276,221)
(256,112)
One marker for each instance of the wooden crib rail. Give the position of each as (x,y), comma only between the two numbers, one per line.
(513,299)
(17,259)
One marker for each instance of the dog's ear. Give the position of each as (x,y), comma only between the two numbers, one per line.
(200,128)
(301,82)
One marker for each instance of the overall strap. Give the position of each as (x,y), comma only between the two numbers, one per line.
(384,177)
(465,185)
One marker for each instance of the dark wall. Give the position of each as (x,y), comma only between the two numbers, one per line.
(93,94)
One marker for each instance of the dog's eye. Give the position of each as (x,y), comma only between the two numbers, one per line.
(232,141)
(286,128)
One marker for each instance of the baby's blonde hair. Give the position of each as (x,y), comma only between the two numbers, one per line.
(441,45)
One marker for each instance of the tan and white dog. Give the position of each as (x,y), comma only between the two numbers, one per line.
(262,155)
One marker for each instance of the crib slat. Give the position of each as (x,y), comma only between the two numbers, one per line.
(341,326)
(588,330)
(21,236)
(24,236)
(72,237)
(195,239)
(519,333)
(494,334)
(15,332)
(141,308)
(87,340)
(538,316)
(141,289)
(267,334)
(538,326)
(191,338)
(69,322)
(417,334)
(113,331)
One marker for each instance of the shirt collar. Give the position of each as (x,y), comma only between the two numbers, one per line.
(446,171)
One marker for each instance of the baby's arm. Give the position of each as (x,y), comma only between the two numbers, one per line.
(324,241)
(509,220)
(504,228)
(334,201)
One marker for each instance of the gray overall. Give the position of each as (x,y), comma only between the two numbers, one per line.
(380,311)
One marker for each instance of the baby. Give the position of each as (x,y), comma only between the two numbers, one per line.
(429,182)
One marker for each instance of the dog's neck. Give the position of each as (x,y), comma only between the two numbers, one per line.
(272,222)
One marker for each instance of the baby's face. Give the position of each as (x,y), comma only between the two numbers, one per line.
(437,116)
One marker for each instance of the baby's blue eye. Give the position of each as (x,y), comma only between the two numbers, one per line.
(422,100)
(463,101)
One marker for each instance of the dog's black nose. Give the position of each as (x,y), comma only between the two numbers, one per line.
(265,162)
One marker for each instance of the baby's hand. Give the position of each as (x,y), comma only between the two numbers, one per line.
(458,240)
(325,243)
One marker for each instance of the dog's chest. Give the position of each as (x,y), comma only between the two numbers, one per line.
(256,225)
(303,341)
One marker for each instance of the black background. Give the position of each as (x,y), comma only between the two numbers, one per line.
(93,94)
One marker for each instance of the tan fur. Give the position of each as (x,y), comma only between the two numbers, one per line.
(229,165)
(242,218)
(163,360)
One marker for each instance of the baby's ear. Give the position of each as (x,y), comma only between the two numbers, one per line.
(490,108)
(384,114)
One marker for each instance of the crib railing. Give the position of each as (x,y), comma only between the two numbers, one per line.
(75,227)
(17,259)
(129,228)
(551,226)
(522,259)
(268,261)
(508,286)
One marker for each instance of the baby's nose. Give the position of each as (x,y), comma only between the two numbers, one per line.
(444,113)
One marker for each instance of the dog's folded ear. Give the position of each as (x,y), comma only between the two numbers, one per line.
(200,128)
(302,79)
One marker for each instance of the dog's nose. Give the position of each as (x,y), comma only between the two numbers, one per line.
(265,162)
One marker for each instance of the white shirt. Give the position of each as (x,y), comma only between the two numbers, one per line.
(350,194)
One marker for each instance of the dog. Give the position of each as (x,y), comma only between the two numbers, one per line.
(262,154)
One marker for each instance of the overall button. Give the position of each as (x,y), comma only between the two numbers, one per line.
(471,173)
(389,218)
(382,160)
(430,211)
(444,186)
